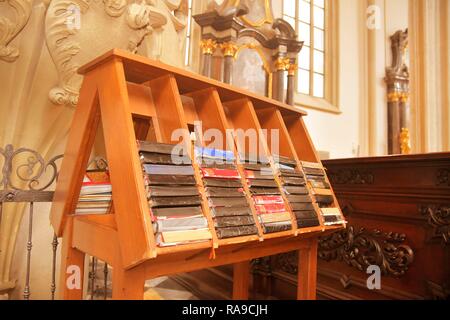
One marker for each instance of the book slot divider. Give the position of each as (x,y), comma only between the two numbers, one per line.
(244,116)
(210,109)
(167,96)
(304,148)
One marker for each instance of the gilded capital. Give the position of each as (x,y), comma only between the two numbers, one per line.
(229,49)
(208,46)
(282,64)
(397,96)
(292,69)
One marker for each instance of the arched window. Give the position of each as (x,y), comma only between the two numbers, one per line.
(314,22)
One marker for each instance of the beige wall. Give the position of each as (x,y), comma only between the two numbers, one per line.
(360,129)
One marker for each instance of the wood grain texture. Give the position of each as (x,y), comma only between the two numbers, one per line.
(140,69)
(79,144)
(241,280)
(70,258)
(129,198)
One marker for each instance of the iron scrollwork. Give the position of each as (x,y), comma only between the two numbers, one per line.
(27,168)
(360,248)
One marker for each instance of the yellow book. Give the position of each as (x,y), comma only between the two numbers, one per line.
(331,211)
(275,217)
(322,192)
(313,165)
(186,235)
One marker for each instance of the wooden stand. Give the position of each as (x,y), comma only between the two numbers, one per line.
(135,98)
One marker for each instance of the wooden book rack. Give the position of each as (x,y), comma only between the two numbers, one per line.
(133,98)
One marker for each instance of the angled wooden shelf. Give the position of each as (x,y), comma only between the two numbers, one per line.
(135,98)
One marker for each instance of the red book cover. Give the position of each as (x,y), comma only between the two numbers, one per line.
(96,178)
(220,173)
(270,208)
(262,200)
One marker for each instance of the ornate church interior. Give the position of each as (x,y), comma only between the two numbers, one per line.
(348,106)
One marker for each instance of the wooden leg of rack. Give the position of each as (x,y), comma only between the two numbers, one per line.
(72,267)
(128,284)
(307,272)
(241,280)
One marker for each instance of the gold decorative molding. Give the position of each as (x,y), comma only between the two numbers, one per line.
(292,69)
(397,96)
(405,141)
(229,49)
(282,64)
(259,23)
(208,46)
(10,29)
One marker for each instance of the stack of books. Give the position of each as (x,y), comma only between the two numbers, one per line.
(269,204)
(173,196)
(229,207)
(96,194)
(321,190)
(294,187)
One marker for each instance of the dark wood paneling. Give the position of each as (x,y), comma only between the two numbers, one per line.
(398,209)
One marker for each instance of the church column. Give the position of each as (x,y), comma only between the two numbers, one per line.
(281,65)
(229,50)
(393,123)
(291,83)
(208,47)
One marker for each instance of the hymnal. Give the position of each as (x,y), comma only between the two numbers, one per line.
(322,192)
(324,199)
(228,202)
(314,165)
(230,212)
(308,223)
(305,215)
(180,224)
(223,233)
(175,201)
(265,191)
(317,184)
(225,222)
(277,227)
(274,217)
(268,199)
(295,190)
(216,192)
(175,237)
(299,199)
(161,148)
(166,159)
(302,206)
(220,173)
(177,212)
(163,191)
(224,183)
(262,183)
(155,180)
(295,181)
(270,208)
(156,169)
